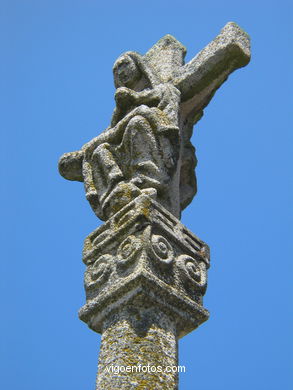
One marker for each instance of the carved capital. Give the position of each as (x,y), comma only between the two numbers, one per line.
(143,255)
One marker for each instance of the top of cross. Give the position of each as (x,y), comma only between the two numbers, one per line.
(202,76)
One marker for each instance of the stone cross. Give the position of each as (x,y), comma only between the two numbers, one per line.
(146,272)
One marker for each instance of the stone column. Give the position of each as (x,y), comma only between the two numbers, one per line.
(139,348)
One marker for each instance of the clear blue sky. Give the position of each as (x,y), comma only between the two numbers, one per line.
(57,93)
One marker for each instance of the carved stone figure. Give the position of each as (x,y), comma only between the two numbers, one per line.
(139,152)
(147,147)
(146,273)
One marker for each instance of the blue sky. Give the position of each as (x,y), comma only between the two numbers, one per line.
(56,76)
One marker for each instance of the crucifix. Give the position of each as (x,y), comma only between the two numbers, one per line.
(146,272)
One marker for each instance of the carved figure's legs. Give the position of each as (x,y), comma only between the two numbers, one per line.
(138,164)
(139,144)
(112,190)
(105,169)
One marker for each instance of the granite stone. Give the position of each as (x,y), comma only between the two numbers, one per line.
(146,273)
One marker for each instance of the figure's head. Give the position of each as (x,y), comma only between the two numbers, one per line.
(126,72)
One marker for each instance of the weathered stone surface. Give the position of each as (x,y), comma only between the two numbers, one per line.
(147,273)
(144,282)
(144,253)
(148,351)
(147,147)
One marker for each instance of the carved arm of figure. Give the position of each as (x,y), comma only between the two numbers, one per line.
(127,99)
(164,96)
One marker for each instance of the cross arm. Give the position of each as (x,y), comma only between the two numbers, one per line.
(203,75)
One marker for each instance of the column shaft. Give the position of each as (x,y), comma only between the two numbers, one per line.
(138,351)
